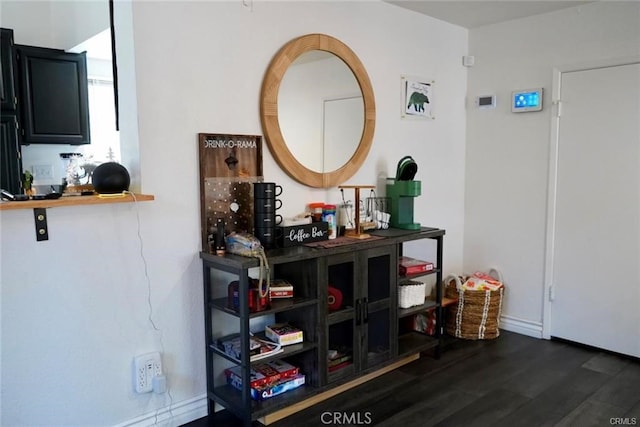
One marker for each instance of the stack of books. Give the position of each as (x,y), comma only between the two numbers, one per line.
(284,334)
(338,359)
(267,379)
(408,265)
(258,349)
(280,288)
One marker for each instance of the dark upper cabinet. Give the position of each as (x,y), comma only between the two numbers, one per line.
(8,99)
(10,162)
(53,93)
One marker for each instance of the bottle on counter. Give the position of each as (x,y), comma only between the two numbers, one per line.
(220,245)
(329,216)
(316,210)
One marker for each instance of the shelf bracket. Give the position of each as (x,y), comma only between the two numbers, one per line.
(42,229)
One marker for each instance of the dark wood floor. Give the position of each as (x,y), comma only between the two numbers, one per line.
(513,380)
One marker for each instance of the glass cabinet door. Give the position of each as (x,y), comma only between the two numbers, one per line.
(376,305)
(378,337)
(360,286)
(342,338)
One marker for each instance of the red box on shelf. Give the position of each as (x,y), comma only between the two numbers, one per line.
(262,373)
(280,288)
(408,265)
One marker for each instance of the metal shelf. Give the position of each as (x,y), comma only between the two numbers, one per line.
(404,312)
(277,306)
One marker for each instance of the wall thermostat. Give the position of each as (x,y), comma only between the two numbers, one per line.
(526,100)
(486,101)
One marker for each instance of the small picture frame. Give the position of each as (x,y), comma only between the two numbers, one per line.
(417,98)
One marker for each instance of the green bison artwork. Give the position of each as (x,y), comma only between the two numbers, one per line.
(417,101)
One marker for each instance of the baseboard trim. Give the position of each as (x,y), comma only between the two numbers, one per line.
(178,414)
(521,326)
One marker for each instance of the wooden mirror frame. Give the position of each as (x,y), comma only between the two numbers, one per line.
(269,110)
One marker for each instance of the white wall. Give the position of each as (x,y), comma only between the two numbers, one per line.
(507,154)
(74,308)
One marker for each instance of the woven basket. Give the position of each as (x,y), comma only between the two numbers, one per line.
(411,293)
(476,316)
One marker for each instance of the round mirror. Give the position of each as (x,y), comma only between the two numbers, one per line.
(317,110)
(320,111)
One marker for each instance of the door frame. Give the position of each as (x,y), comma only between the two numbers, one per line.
(553,173)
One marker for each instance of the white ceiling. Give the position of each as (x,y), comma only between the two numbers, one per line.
(476,13)
(97,47)
(465,13)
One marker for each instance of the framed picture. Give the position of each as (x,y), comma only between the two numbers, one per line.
(417,98)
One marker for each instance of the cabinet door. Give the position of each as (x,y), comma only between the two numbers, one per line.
(53,96)
(377,297)
(8,98)
(10,163)
(343,317)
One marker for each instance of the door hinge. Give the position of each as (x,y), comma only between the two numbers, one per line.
(552,293)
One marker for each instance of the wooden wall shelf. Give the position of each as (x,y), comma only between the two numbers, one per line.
(75,201)
(40,207)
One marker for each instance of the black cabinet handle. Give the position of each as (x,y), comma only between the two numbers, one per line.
(358,307)
(365,310)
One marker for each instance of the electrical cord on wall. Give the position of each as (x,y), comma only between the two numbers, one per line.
(159,386)
(248,4)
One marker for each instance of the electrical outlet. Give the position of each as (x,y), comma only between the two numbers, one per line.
(42,172)
(145,367)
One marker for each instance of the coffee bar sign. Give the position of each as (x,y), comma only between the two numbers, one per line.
(300,234)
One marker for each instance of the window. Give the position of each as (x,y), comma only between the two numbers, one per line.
(105,139)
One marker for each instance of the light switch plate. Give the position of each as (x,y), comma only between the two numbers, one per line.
(42,172)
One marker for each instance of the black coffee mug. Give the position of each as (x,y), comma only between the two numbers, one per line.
(266,205)
(268,236)
(265,190)
(264,220)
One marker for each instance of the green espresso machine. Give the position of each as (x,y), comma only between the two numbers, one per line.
(401,191)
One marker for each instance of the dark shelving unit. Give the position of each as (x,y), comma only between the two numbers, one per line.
(367,326)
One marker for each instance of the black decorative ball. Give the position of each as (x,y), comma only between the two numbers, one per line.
(110,177)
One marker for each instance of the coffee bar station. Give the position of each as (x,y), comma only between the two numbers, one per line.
(299,308)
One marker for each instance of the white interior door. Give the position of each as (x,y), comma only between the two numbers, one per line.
(596,257)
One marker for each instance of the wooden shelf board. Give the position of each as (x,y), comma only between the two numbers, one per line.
(277,305)
(420,274)
(404,312)
(75,201)
(341,315)
(288,350)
